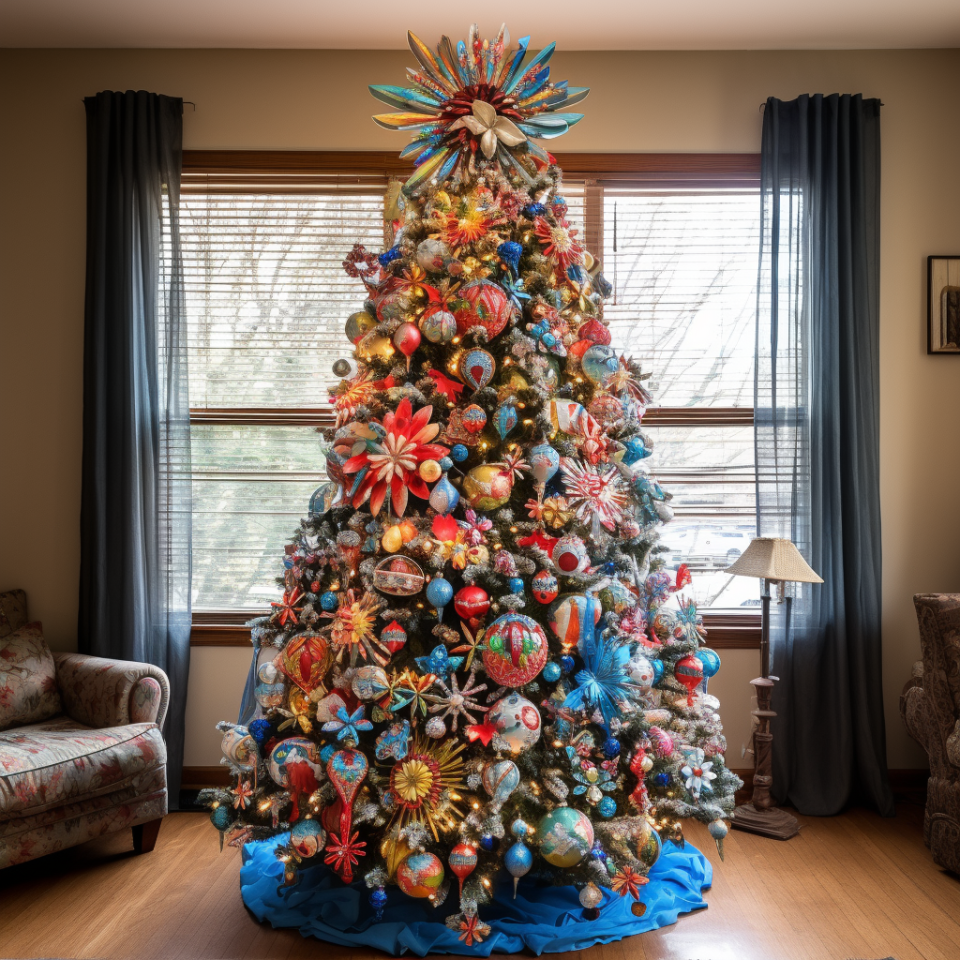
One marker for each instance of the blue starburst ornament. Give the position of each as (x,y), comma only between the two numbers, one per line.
(478,102)
(348,726)
(439,663)
(603,684)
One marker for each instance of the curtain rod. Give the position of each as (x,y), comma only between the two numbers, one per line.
(192,104)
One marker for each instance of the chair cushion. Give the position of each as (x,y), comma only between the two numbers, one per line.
(13,611)
(28,678)
(61,761)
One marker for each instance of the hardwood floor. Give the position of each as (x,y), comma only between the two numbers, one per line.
(850,886)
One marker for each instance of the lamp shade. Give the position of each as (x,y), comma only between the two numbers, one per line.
(772,558)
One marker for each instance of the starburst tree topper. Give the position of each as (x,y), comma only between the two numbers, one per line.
(479,97)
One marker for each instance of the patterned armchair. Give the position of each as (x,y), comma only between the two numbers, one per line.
(930,707)
(81,753)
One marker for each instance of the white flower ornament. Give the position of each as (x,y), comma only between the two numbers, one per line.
(487,124)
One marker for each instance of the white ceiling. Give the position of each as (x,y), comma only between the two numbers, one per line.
(574,24)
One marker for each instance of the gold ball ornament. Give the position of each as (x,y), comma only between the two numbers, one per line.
(392,539)
(430,471)
(376,347)
(358,325)
(408,530)
(488,486)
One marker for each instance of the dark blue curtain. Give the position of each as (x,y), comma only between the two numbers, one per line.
(135,505)
(817,437)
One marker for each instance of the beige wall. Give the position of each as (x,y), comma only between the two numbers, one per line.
(318,100)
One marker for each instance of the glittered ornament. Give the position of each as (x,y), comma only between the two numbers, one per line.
(515,584)
(607,807)
(570,555)
(444,497)
(488,486)
(378,900)
(506,419)
(476,367)
(358,325)
(552,672)
(307,838)
(459,453)
(439,594)
(590,896)
(517,722)
(463,861)
(221,817)
(599,362)
(435,728)
(420,875)
(489,843)
(438,325)
(398,577)
(518,860)
(369,682)
(432,255)
(648,844)
(485,304)
(393,637)
(516,650)
(611,748)
(510,252)
(565,836)
(474,419)
(393,305)
(545,586)
(689,673)
(500,778)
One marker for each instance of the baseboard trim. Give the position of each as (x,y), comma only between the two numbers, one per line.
(196,778)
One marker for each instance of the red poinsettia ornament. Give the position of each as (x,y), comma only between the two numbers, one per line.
(392,457)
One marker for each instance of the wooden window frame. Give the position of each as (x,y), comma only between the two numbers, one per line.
(264,171)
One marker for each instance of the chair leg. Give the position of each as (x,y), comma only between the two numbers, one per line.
(145,835)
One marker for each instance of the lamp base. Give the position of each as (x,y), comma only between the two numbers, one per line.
(772,822)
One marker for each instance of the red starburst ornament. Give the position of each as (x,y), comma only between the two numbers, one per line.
(559,244)
(629,881)
(286,610)
(473,930)
(344,856)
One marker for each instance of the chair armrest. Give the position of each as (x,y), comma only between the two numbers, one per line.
(99,692)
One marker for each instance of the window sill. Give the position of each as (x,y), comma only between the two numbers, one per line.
(725,631)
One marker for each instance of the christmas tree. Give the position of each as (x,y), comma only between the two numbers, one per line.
(479,663)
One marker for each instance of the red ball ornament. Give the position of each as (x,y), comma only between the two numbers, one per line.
(407,339)
(689,672)
(394,637)
(486,304)
(471,604)
(594,331)
(545,587)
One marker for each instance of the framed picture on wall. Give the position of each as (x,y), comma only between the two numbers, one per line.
(943,305)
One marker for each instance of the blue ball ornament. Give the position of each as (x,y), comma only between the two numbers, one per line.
(221,818)
(519,829)
(489,843)
(551,672)
(549,340)
(328,601)
(518,860)
(439,593)
(327,752)
(459,452)
(259,730)
(710,660)
(567,663)
(611,748)
(515,584)
(445,463)
(597,852)
(607,807)
(532,210)
(662,779)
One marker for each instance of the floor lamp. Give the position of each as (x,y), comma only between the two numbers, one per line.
(773,561)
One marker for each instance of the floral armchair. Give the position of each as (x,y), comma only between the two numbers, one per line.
(930,707)
(81,753)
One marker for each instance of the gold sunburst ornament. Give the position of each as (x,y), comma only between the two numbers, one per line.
(422,784)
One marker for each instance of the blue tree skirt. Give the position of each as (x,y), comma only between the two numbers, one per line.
(544,919)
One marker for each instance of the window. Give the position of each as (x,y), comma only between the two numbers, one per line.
(267,298)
